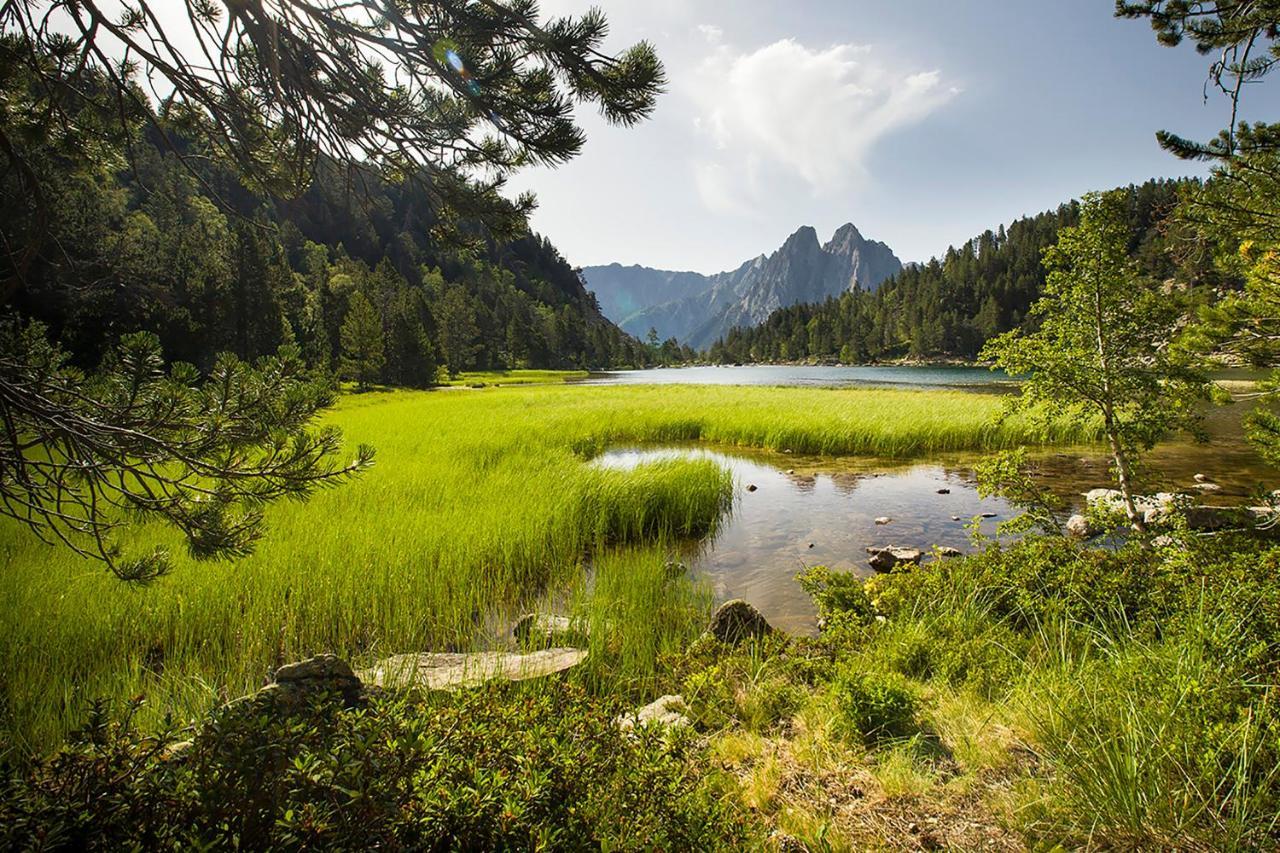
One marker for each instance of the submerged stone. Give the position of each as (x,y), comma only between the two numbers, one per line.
(545,628)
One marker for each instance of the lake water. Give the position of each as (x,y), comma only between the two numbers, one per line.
(889,376)
(809,510)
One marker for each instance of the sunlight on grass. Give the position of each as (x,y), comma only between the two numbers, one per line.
(478,501)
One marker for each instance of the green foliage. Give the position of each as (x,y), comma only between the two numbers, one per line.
(496,768)
(362,352)
(877,705)
(1146,679)
(1102,349)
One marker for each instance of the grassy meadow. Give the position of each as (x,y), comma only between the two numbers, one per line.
(480,503)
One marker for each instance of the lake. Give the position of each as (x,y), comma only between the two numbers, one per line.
(886,376)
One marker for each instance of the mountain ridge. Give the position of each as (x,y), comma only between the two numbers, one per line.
(698,309)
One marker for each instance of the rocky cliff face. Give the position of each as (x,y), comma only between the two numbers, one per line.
(697,309)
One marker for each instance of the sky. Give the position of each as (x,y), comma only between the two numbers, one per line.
(922,122)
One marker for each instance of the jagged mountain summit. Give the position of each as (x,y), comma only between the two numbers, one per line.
(698,309)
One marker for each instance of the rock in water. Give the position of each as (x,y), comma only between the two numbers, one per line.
(736,620)
(453,670)
(888,559)
(884,519)
(751,488)
(1201,478)
(944,491)
(949,552)
(1207,487)
(665,711)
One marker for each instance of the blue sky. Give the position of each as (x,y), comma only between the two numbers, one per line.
(922,122)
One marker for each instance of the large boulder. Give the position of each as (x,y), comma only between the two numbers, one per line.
(455,670)
(736,620)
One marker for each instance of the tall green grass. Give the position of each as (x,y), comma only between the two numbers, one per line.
(478,501)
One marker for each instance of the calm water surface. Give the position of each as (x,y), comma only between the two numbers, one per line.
(893,376)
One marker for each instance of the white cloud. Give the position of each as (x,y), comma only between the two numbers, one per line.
(808,114)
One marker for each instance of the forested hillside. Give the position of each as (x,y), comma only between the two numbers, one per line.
(355,272)
(949,307)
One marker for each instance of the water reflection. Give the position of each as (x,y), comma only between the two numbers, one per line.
(820,511)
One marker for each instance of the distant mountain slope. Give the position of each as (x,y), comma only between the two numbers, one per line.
(698,310)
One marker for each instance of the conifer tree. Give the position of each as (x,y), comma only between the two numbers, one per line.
(363,353)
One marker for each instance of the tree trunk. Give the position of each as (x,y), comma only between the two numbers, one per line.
(1124,476)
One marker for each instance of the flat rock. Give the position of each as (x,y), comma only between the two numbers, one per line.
(454,670)
(887,559)
(736,620)
(884,519)
(988,515)
(665,711)
(1207,488)
(949,552)
(944,491)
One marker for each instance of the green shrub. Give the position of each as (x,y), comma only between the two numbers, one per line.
(877,705)
(499,768)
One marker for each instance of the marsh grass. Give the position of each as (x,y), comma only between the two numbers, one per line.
(478,501)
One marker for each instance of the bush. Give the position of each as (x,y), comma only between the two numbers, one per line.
(499,768)
(877,705)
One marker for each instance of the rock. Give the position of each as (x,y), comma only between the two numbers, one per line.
(453,670)
(1162,542)
(665,711)
(545,629)
(316,669)
(751,488)
(736,620)
(1159,502)
(1201,478)
(1079,526)
(949,552)
(810,544)
(988,515)
(944,491)
(888,559)
(789,471)
(1207,488)
(956,518)
(322,673)
(884,519)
